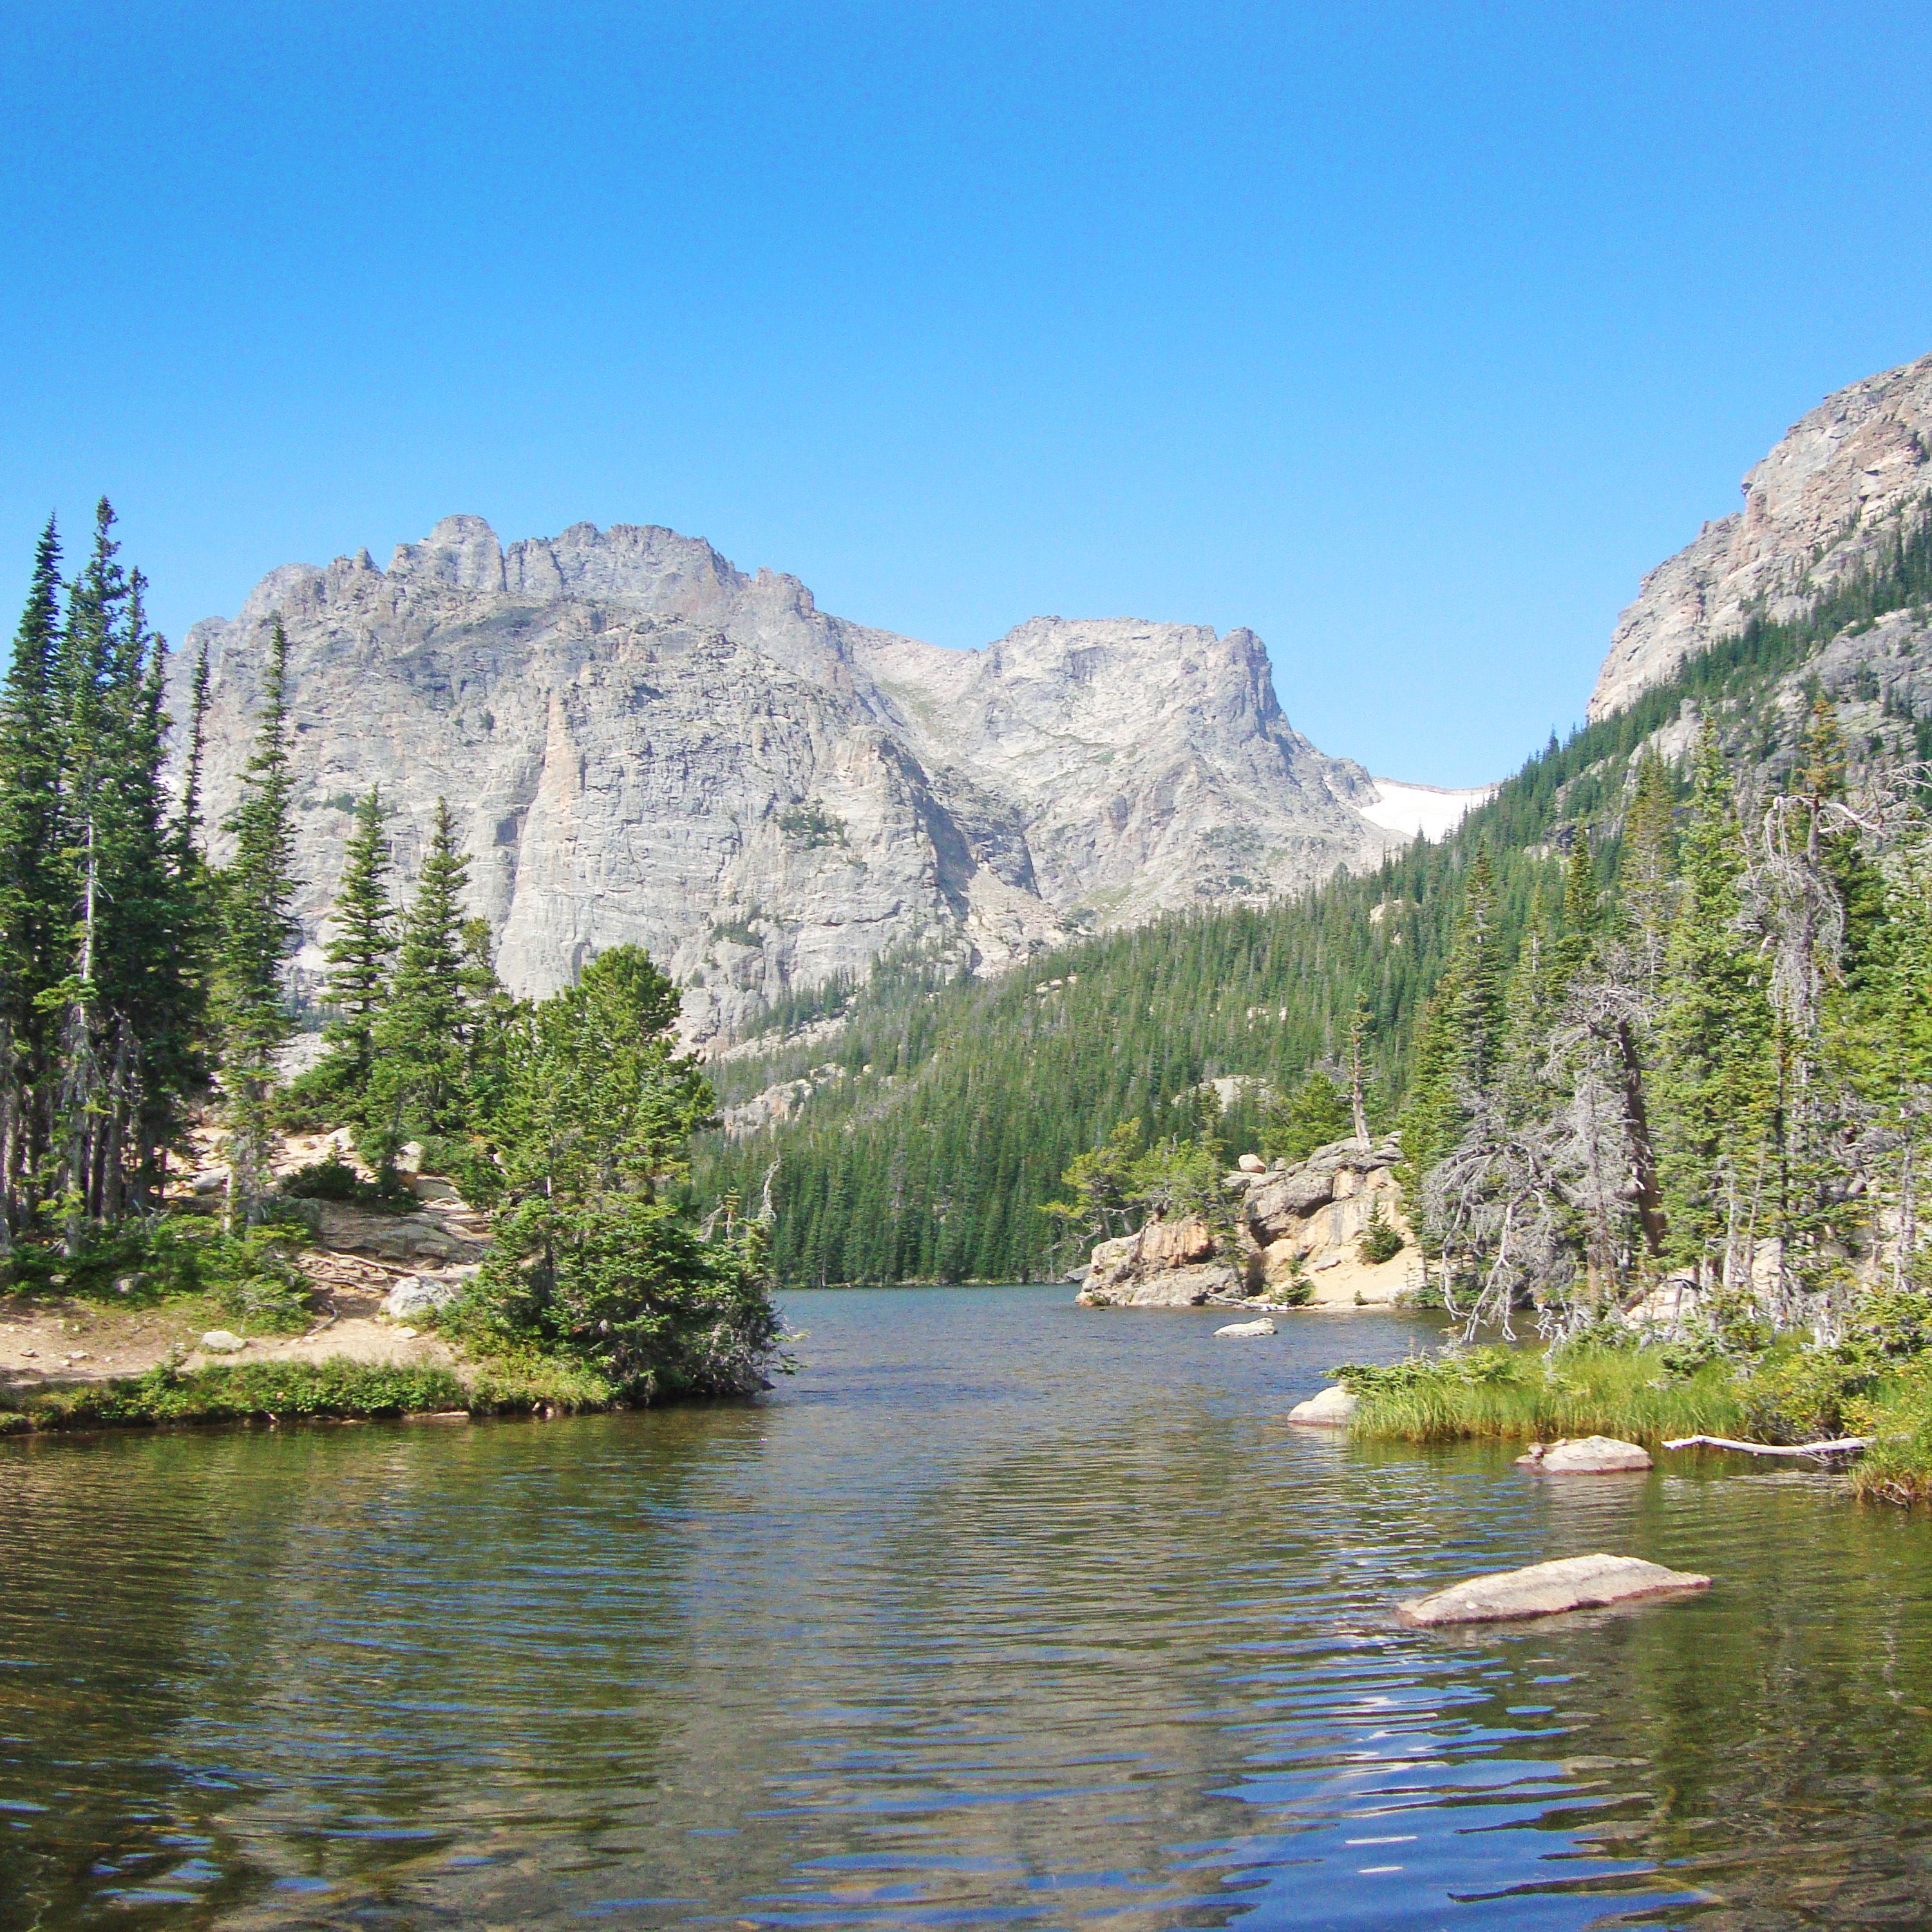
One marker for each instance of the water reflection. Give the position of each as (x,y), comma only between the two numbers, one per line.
(1004,1613)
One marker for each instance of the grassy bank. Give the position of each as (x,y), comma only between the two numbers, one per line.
(336,1390)
(1524,1395)
(1786,1395)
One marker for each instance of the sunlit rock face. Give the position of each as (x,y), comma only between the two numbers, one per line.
(641,743)
(1820,506)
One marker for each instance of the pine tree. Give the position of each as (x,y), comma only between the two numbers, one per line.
(361,948)
(1717,1082)
(258,932)
(418,1090)
(33,909)
(1647,873)
(1459,1039)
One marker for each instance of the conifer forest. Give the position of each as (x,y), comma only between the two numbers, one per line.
(144,996)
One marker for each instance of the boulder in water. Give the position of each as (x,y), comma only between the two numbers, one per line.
(1333,1409)
(1585,1456)
(1544,1589)
(1263,1327)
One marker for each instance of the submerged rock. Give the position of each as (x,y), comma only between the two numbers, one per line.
(1333,1409)
(1545,1589)
(1263,1327)
(1585,1455)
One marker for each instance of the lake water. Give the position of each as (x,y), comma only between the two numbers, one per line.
(1000,1613)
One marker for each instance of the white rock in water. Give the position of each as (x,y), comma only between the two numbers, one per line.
(1334,1408)
(1263,1327)
(416,1294)
(1542,1590)
(1585,1456)
(220,1342)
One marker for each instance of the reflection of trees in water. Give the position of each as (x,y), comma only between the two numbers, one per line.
(1089,1661)
(1780,1733)
(324,1654)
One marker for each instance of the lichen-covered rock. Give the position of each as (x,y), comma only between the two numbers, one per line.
(1545,1589)
(1585,1456)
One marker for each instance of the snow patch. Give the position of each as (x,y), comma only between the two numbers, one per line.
(1427,810)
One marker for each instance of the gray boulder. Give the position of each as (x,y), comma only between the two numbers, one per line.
(221,1342)
(1263,1327)
(1585,1455)
(415,1295)
(1545,1589)
(1333,1409)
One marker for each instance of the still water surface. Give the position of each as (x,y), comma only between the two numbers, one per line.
(1000,1613)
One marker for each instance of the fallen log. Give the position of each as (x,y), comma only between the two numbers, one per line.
(1845,1445)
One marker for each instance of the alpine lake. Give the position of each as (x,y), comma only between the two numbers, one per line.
(999,1613)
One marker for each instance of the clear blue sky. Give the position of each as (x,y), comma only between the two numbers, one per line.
(1409,336)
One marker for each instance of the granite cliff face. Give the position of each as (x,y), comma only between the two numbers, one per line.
(1817,507)
(642,743)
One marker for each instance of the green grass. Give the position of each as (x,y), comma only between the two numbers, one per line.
(326,1391)
(1523,1395)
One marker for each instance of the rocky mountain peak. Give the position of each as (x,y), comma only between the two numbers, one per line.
(1817,508)
(642,742)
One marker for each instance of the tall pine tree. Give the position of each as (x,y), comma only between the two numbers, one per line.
(258,934)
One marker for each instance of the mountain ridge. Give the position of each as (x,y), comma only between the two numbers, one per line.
(642,743)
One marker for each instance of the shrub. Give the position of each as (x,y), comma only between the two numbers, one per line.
(330,1178)
(1381,1240)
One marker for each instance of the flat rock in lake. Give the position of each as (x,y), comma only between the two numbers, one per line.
(1333,1409)
(1542,1590)
(1263,1327)
(1585,1455)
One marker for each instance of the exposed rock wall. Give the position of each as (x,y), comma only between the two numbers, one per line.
(643,743)
(1297,1236)
(1815,508)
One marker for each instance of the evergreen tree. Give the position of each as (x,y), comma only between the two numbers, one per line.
(1717,1082)
(258,934)
(361,946)
(1459,1043)
(418,1089)
(1648,872)
(1317,1113)
(33,899)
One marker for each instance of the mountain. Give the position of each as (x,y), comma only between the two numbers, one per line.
(1818,510)
(919,1137)
(641,743)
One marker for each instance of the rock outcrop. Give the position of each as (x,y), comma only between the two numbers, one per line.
(1544,1589)
(1167,1264)
(1299,1232)
(1302,1226)
(642,743)
(1819,507)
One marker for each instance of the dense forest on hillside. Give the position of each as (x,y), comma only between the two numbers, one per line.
(941,1115)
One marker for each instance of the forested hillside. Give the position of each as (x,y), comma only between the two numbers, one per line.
(940,1116)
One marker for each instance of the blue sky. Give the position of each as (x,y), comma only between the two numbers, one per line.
(1409,336)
